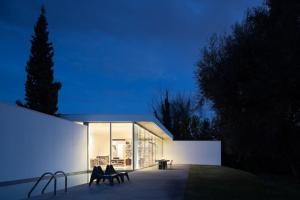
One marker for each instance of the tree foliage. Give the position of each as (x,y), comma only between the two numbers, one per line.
(181,118)
(252,76)
(41,90)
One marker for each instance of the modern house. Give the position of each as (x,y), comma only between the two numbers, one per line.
(128,142)
(32,143)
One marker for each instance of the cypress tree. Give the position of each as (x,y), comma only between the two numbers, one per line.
(41,91)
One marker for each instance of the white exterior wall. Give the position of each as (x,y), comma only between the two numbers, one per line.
(32,143)
(193,152)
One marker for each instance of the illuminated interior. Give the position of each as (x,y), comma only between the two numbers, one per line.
(121,146)
(126,146)
(148,147)
(99,144)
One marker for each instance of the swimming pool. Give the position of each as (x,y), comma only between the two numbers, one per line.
(20,191)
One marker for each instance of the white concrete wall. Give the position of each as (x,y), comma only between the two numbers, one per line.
(32,143)
(193,152)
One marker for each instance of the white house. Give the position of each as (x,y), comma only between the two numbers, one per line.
(131,142)
(32,143)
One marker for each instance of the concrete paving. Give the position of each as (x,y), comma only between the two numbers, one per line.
(144,184)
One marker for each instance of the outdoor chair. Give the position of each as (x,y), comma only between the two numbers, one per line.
(171,164)
(97,174)
(121,174)
(160,164)
(110,175)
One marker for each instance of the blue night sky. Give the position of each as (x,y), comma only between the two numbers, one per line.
(114,56)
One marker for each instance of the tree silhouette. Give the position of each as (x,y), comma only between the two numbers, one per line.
(41,91)
(180,117)
(163,112)
(252,76)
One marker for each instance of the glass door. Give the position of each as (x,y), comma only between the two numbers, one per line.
(99,144)
(148,148)
(121,146)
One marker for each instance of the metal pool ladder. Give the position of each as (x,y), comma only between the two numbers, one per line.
(53,176)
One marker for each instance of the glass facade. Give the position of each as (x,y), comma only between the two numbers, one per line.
(124,145)
(121,146)
(148,148)
(99,144)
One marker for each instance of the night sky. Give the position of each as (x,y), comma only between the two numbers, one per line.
(114,56)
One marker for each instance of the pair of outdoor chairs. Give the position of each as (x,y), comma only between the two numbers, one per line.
(110,174)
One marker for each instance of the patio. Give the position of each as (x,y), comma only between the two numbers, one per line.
(148,183)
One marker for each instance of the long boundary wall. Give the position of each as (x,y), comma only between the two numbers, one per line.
(32,143)
(193,152)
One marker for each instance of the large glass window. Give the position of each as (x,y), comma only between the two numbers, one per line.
(139,135)
(112,143)
(159,148)
(121,145)
(148,147)
(99,144)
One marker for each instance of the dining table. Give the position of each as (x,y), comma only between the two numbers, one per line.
(162,164)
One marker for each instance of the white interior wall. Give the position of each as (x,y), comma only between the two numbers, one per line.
(32,143)
(193,152)
(99,145)
(121,130)
(99,139)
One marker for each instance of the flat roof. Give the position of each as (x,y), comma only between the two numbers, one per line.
(147,121)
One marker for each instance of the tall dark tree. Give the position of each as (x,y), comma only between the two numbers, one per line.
(163,113)
(180,117)
(41,90)
(182,112)
(252,76)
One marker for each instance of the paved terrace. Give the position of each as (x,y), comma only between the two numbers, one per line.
(145,184)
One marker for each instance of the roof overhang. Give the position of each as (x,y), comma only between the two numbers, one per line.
(146,121)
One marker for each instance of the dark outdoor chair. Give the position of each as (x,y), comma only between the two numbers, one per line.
(97,174)
(121,174)
(110,175)
(160,164)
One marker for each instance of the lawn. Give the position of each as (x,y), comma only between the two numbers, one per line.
(213,182)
